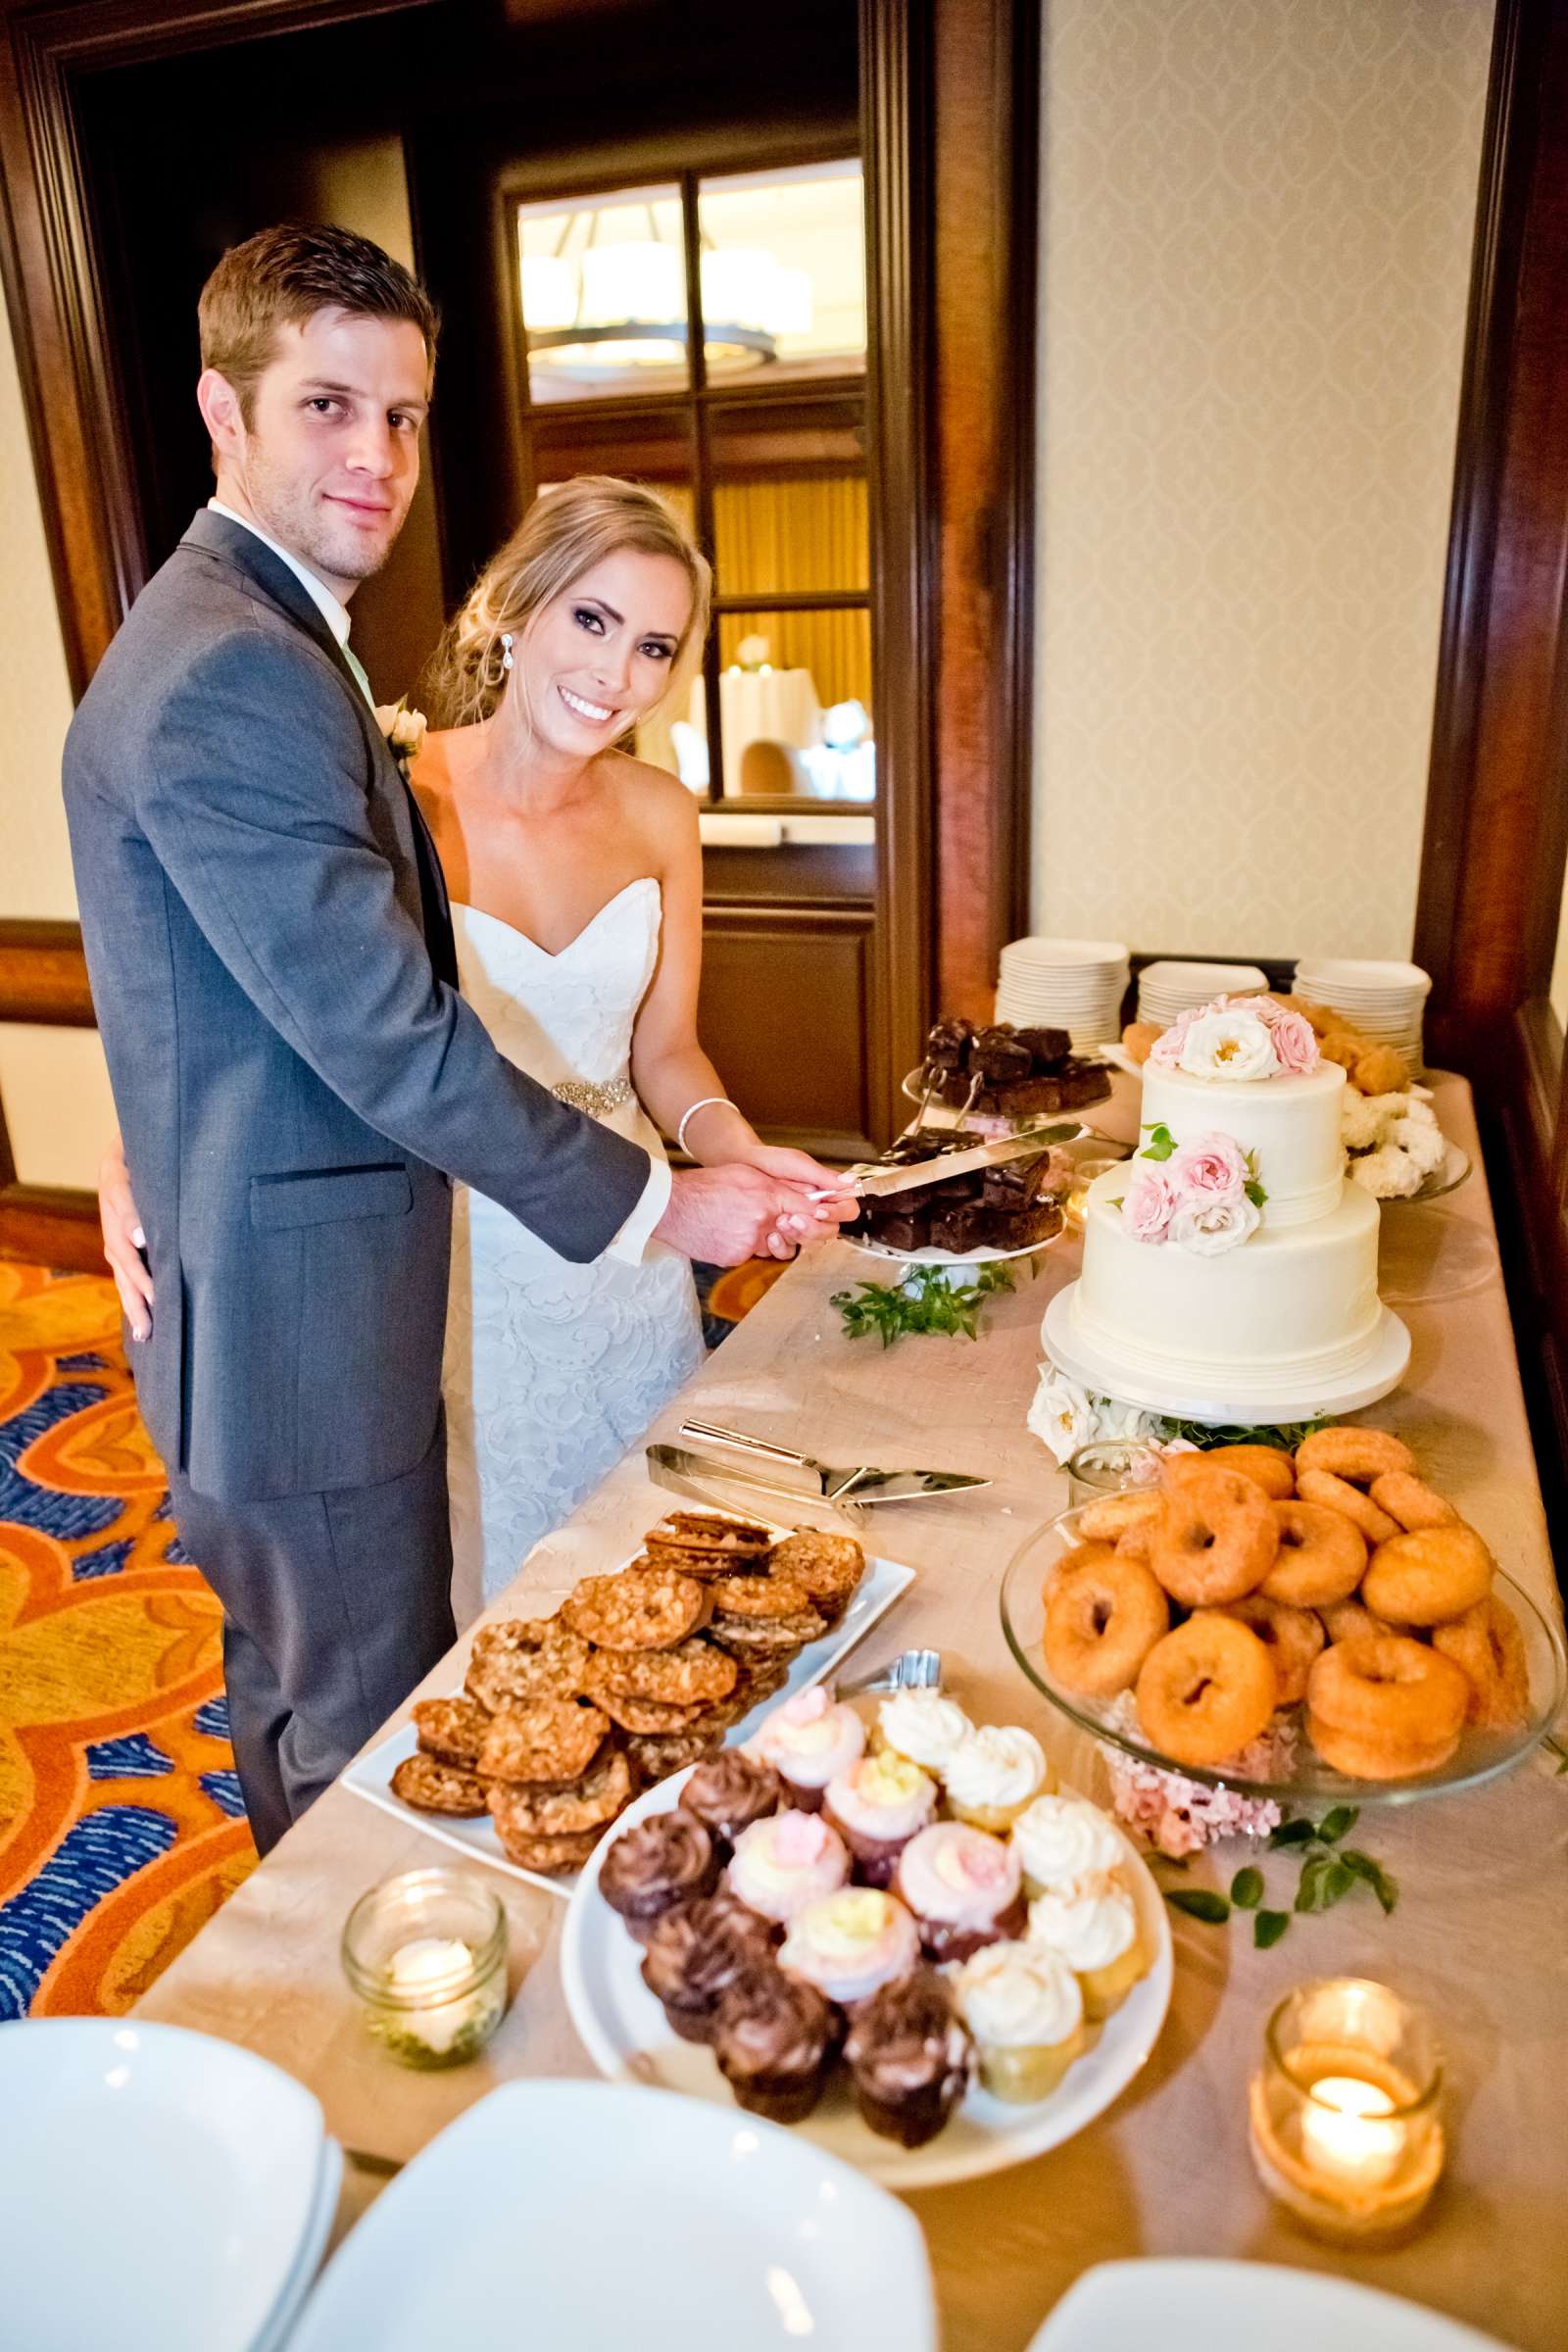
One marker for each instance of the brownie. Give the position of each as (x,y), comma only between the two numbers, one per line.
(1046,1047)
(910,2058)
(909,1229)
(1016,1183)
(947,1045)
(1018,1228)
(999,1055)
(962,1226)
(775,2040)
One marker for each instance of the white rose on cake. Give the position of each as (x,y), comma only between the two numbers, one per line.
(1228,1044)
(1209,1228)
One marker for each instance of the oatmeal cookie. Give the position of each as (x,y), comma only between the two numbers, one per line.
(656,1759)
(586,1804)
(692,1674)
(549,1739)
(641,1608)
(763,1616)
(451,1729)
(436,1787)
(648,1717)
(504,1678)
(547,1856)
(708,1544)
(830,1567)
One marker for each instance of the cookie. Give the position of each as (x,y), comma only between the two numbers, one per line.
(711,1723)
(759,1600)
(453,1729)
(781,1640)
(656,1759)
(587,1804)
(557,1669)
(648,1716)
(549,1739)
(547,1856)
(692,1674)
(708,1544)
(830,1567)
(436,1787)
(641,1608)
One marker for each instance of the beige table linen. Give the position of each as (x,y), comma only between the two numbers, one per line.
(1479,1936)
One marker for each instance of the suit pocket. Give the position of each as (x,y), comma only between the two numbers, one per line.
(326,1195)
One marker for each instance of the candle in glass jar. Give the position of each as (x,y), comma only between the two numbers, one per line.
(432,1960)
(1342,2135)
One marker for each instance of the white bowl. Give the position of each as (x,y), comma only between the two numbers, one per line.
(601,2214)
(1198,2306)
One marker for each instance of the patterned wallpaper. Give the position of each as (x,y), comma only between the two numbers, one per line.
(1256,222)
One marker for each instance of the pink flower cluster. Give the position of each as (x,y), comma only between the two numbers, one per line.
(1296,1048)
(1206,1174)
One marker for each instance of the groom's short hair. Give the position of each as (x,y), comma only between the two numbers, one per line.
(281,277)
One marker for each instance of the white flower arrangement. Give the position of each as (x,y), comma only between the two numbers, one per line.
(1066,1417)
(1239,1038)
(404,728)
(1204,1196)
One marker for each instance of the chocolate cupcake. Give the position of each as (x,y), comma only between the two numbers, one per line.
(728,1792)
(695,1953)
(775,2041)
(911,2057)
(665,1860)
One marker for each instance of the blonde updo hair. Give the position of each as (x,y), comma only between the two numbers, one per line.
(565,533)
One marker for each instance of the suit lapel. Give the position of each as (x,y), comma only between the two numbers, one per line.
(217,535)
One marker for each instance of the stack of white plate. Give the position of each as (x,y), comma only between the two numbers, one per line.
(159,2192)
(1071,984)
(1169,989)
(1384,1001)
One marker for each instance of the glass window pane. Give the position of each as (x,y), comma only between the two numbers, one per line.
(603,288)
(782,532)
(795,705)
(783,272)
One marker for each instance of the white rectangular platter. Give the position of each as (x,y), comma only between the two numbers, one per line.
(370,1776)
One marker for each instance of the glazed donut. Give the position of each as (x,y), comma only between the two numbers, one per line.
(1411,1503)
(1371,1759)
(1206,1690)
(1321,1556)
(1358,1455)
(1344,1620)
(1337,1494)
(1077,1555)
(1489,1649)
(1134,1541)
(1428,1576)
(1216,1538)
(1101,1621)
(1293,1639)
(1266,1465)
(1107,1518)
(1384,1687)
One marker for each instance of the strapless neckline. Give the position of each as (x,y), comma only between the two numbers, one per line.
(555,955)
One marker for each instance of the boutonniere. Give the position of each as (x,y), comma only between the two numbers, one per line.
(404,728)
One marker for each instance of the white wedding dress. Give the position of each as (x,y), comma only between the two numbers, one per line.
(552,1370)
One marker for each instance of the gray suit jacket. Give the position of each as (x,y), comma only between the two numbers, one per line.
(296,1076)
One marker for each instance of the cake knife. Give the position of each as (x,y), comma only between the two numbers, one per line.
(774,1470)
(875,1181)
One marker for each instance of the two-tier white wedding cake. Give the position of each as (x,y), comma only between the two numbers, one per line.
(1230,1268)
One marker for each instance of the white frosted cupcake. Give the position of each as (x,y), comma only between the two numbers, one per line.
(962,1887)
(876,1808)
(810,1740)
(784,1862)
(992,1776)
(851,1944)
(923,1726)
(1063,1840)
(1093,1927)
(1022,2004)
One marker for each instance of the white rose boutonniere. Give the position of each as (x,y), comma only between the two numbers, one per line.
(404,728)
(1228,1044)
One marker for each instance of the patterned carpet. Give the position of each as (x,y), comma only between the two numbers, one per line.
(121,1828)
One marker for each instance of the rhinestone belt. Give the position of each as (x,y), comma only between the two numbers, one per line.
(598,1099)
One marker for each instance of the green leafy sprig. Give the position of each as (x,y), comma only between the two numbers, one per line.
(925,1300)
(1285,1435)
(1329,1870)
(1162,1143)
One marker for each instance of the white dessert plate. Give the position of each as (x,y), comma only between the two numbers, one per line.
(307,2260)
(1294,1773)
(624,2030)
(370,1776)
(598,2215)
(117,2135)
(1195,2306)
(1455,1171)
(952,1257)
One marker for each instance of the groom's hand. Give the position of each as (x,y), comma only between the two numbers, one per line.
(725,1216)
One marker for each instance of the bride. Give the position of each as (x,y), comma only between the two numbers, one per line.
(575,878)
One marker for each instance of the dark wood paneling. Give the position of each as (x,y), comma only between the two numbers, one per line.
(43,975)
(49,1225)
(783,1014)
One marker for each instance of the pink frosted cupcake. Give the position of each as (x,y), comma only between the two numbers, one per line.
(852,1944)
(784,1862)
(876,1807)
(963,1888)
(810,1740)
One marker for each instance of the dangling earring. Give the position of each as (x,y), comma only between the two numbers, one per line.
(506,650)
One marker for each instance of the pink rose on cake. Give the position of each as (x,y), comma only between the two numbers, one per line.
(1209,1169)
(1296,1045)
(1209,1228)
(1166,1053)
(1149,1206)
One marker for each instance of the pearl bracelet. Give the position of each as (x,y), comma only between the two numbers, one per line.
(690,1112)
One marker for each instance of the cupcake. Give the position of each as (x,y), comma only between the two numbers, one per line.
(1061,1840)
(808,1740)
(776,2040)
(695,1952)
(1022,2004)
(1093,1927)
(851,1944)
(910,2056)
(784,1862)
(665,1860)
(923,1726)
(963,1888)
(992,1776)
(876,1808)
(727,1792)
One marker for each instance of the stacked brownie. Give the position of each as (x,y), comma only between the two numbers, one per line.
(1008,1207)
(1006,1072)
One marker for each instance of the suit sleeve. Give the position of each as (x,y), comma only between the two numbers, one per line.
(255,802)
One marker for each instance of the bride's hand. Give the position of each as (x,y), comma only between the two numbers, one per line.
(815,1217)
(123,1241)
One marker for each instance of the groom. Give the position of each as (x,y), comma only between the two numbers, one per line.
(297,1078)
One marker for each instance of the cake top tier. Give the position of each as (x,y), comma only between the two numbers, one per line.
(1287,1133)
(1239,1041)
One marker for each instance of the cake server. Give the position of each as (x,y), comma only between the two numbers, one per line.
(876,1182)
(759,1463)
